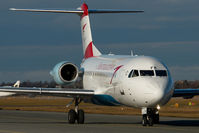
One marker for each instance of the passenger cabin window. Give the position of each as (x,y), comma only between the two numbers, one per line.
(133,73)
(146,73)
(161,73)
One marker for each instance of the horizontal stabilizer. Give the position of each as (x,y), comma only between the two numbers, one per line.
(113,11)
(46,10)
(78,11)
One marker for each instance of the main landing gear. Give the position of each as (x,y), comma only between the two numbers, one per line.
(150,116)
(76,114)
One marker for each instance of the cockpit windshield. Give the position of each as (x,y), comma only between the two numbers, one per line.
(161,73)
(136,73)
(146,73)
(133,73)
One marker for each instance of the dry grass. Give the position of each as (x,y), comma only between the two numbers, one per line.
(56,104)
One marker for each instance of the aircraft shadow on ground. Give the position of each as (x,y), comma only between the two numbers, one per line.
(113,123)
(187,123)
(36,123)
(168,123)
(181,123)
(39,122)
(31,122)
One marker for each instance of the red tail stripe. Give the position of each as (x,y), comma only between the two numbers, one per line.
(84,8)
(89,51)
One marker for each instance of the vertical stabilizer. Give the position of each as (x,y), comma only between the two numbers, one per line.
(88,47)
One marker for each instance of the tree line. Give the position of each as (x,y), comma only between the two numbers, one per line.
(181,84)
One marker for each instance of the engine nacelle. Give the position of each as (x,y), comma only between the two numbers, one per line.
(65,73)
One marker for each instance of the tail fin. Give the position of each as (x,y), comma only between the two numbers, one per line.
(89,48)
(17,84)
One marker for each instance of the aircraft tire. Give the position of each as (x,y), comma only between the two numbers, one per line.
(150,120)
(144,120)
(72,116)
(156,118)
(80,117)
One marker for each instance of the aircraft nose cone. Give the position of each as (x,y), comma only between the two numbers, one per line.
(158,94)
(155,94)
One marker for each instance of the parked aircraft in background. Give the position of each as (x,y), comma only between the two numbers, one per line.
(137,81)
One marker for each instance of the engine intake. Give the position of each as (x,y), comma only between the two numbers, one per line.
(65,73)
(68,72)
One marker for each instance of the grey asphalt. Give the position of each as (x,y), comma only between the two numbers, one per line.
(50,122)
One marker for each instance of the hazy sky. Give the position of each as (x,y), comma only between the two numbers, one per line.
(32,43)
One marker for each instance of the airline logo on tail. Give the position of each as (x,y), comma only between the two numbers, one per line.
(88,48)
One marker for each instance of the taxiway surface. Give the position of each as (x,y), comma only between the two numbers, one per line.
(50,122)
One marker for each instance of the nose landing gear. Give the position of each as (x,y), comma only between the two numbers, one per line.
(77,114)
(150,116)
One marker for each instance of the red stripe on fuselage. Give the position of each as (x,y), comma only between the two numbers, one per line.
(84,8)
(89,51)
(116,69)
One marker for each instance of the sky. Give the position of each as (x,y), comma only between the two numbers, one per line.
(32,43)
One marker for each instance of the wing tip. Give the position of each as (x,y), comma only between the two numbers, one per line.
(12,9)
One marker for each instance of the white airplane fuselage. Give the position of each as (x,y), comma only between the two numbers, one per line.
(109,76)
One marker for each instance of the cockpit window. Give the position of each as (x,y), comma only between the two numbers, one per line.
(146,73)
(161,72)
(133,73)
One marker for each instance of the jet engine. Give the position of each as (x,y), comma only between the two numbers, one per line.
(65,73)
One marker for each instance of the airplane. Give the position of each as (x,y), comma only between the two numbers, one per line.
(16,85)
(136,81)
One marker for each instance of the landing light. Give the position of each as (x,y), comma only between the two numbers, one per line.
(158,107)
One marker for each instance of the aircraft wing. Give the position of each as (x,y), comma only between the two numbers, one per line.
(62,92)
(186,93)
